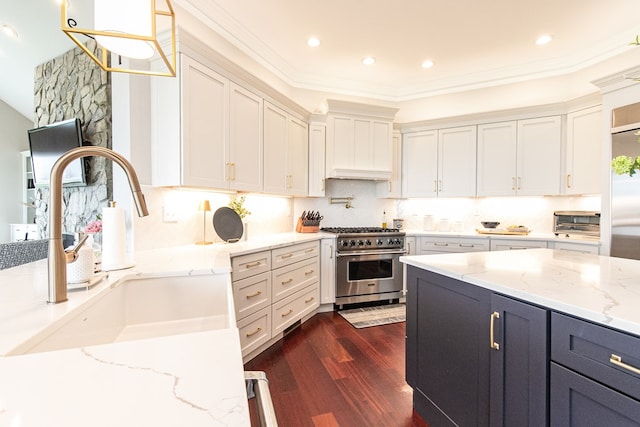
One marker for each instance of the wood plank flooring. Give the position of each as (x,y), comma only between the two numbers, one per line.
(327,373)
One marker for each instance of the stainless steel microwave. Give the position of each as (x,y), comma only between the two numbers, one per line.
(584,223)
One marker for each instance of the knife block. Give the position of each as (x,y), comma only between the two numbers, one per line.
(305,227)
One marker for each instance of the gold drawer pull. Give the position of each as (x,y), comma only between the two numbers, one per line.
(285,256)
(307,301)
(617,360)
(254,295)
(306,273)
(287,313)
(253,264)
(308,251)
(250,334)
(286,282)
(493,344)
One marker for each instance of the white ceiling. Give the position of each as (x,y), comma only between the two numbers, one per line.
(474,43)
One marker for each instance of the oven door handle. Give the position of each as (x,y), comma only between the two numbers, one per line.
(359,253)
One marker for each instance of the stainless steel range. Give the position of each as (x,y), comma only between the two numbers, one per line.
(368,264)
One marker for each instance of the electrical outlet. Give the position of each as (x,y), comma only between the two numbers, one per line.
(169,214)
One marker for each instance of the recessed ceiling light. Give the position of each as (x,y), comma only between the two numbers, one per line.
(9,31)
(544,39)
(368,60)
(313,42)
(427,63)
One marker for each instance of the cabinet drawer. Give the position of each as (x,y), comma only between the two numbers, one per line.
(575,247)
(591,350)
(244,266)
(447,244)
(254,330)
(294,307)
(510,245)
(576,400)
(290,254)
(252,294)
(291,278)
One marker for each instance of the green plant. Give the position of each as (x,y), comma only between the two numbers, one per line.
(623,165)
(237,204)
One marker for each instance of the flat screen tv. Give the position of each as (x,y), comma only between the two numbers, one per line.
(48,143)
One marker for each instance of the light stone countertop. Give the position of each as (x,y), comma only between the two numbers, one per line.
(601,289)
(551,237)
(192,379)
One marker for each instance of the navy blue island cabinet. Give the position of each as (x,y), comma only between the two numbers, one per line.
(478,358)
(474,357)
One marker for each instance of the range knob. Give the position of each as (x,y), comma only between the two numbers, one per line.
(352,243)
(379,242)
(367,242)
(344,243)
(360,243)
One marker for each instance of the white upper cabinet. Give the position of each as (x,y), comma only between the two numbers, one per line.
(359,141)
(539,156)
(439,163)
(496,159)
(392,188)
(286,152)
(420,164)
(317,145)
(206,131)
(457,162)
(520,157)
(583,152)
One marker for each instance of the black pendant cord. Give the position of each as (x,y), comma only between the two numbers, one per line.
(72,23)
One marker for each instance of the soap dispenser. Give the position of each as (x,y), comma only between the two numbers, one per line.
(82,269)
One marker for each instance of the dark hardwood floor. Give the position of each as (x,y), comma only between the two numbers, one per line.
(328,373)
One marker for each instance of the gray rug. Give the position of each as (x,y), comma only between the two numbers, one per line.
(375,316)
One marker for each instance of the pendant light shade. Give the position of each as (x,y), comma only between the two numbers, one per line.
(128,28)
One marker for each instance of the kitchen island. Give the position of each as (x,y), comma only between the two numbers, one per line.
(521,337)
(194,379)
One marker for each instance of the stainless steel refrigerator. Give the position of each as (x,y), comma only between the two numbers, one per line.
(625,189)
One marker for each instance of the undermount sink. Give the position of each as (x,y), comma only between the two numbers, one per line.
(139,308)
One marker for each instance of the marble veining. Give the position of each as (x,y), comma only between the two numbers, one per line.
(601,289)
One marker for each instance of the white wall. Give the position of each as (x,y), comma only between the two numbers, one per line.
(13,139)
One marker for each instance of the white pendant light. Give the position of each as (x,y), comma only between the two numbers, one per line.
(127,28)
(129,18)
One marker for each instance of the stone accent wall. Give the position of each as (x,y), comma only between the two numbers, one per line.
(69,86)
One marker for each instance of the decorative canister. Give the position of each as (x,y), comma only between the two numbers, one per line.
(398,223)
(82,269)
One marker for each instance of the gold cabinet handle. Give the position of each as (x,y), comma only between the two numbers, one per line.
(286,282)
(390,189)
(306,273)
(250,334)
(568,180)
(252,265)
(233,167)
(285,256)
(330,251)
(322,189)
(617,360)
(287,313)
(254,295)
(440,189)
(307,301)
(513,182)
(309,250)
(228,170)
(493,344)
(519,182)
(435,185)
(440,244)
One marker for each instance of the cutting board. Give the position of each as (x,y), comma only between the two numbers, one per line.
(502,231)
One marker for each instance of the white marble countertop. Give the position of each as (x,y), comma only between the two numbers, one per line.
(601,289)
(178,380)
(531,236)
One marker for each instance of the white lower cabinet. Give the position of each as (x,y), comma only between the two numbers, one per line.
(439,245)
(274,289)
(327,271)
(514,244)
(575,247)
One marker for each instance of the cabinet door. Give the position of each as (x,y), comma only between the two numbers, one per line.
(275,149)
(327,271)
(515,244)
(538,159)
(448,349)
(583,155)
(380,147)
(317,144)
(297,155)
(519,363)
(245,140)
(204,126)
(496,174)
(420,164)
(457,162)
(340,145)
(392,188)
(579,401)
